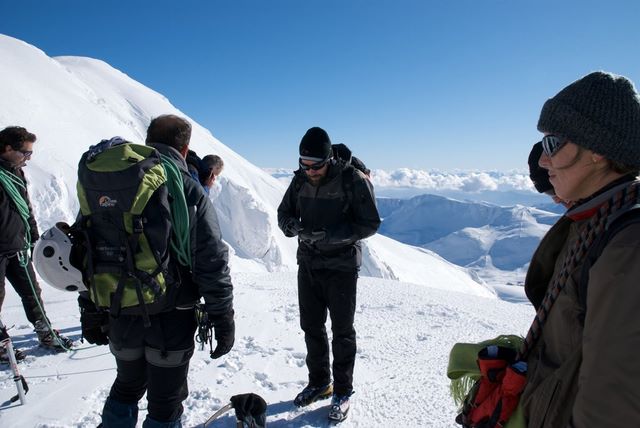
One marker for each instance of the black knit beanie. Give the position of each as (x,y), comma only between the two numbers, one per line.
(315,145)
(600,112)
(538,175)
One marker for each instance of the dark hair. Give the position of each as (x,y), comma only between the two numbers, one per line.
(171,130)
(212,161)
(15,136)
(539,176)
(621,168)
(208,163)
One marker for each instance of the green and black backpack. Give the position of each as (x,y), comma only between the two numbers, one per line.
(129,195)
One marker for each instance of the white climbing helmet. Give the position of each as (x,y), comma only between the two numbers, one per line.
(52,259)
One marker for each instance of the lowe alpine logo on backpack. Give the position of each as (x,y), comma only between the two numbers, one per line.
(127,234)
(107,202)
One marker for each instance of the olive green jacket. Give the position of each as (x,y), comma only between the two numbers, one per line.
(584,371)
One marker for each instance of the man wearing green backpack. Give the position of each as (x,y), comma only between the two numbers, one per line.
(152,323)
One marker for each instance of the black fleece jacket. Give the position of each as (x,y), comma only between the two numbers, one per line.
(12,229)
(346,211)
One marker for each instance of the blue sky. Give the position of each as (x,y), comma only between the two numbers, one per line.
(450,84)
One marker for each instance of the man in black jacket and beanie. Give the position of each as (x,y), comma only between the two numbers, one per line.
(330,206)
(155,359)
(18,234)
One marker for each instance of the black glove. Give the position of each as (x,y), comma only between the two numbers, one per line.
(94,322)
(293,227)
(225,333)
(312,237)
(251,409)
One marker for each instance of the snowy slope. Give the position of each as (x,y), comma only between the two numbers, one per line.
(467,233)
(404,334)
(71,103)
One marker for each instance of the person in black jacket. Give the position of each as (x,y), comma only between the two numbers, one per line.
(194,164)
(155,360)
(205,170)
(18,234)
(330,207)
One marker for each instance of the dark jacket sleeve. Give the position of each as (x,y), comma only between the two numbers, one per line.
(209,255)
(287,208)
(33,226)
(365,219)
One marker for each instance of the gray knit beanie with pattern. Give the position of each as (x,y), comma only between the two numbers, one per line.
(600,112)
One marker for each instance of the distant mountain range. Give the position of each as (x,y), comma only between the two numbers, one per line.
(471,234)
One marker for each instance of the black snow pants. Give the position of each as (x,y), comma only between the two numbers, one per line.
(10,269)
(320,290)
(153,359)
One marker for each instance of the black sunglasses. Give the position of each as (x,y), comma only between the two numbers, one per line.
(314,166)
(26,153)
(551,144)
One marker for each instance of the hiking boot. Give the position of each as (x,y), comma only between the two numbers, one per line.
(52,339)
(313,393)
(4,355)
(339,407)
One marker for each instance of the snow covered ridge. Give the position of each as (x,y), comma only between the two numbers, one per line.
(71,103)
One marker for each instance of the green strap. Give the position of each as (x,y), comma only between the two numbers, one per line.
(180,242)
(13,185)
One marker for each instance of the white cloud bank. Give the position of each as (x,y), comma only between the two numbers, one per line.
(474,181)
(464,181)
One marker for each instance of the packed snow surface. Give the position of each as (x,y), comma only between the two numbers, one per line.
(404,333)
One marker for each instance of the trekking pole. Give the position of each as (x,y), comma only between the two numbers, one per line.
(21,384)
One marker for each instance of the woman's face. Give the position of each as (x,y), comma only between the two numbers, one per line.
(572,171)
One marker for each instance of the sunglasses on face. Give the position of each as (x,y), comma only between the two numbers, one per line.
(314,166)
(551,144)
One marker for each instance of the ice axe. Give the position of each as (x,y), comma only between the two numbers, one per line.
(251,411)
(21,383)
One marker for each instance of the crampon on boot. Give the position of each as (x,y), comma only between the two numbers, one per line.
(4,355)
(52,339)
(312,394)
(339,407)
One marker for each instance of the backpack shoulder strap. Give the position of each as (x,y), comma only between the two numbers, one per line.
(297,180)
(348,177)
(618,222)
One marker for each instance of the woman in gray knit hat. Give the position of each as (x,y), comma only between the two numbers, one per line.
(584,278)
